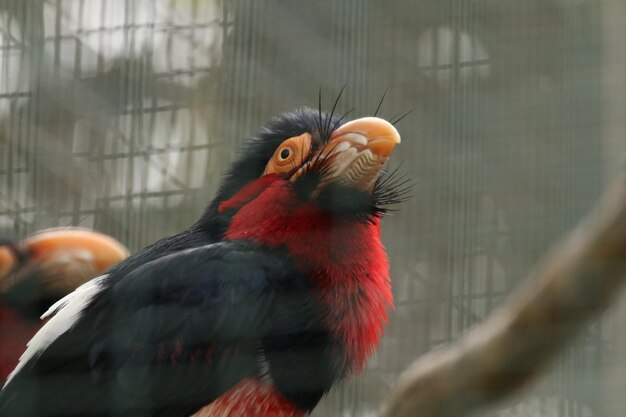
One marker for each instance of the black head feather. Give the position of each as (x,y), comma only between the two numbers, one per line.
(256,152)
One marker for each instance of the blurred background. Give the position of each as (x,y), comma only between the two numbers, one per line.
(121,114)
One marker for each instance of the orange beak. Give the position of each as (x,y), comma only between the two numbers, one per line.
(373,133)
(359,150)
(102,250)
(66,257)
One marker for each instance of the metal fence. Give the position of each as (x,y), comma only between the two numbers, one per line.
(121,115)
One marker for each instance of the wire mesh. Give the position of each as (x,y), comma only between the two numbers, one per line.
(121,115)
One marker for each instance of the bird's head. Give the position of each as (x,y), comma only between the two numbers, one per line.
(330,166)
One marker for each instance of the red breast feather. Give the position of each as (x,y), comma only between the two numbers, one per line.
(345,257)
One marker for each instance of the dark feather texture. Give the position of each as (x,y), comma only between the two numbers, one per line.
(177,333)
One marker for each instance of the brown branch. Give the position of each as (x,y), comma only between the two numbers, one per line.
(574,283)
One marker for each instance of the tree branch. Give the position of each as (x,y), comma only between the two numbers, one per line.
(576,281)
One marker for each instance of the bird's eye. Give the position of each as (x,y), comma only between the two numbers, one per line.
(289,155)
(285,154)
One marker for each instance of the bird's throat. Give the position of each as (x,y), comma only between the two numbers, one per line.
(344,258)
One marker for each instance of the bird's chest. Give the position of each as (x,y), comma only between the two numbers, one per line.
(251,398)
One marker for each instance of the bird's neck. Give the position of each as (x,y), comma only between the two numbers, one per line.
(344,258)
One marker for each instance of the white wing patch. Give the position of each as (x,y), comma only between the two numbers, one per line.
(65,313)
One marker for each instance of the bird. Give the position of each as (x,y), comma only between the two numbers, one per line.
(39,270)
(277,292)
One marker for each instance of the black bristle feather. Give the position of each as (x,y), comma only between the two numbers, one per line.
(380,103)
(397,120)
(329,117)
(391,188)
(341,119)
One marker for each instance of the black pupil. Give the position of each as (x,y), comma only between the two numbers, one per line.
(284,154)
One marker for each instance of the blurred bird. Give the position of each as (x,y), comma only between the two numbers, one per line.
(278,291)
(38,271)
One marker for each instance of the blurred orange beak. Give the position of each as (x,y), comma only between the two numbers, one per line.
(70,255)
(7,261)
(102,250)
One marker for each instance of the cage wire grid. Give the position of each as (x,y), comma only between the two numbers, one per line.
(121,115)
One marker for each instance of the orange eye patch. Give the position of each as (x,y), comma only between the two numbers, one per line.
(289,155)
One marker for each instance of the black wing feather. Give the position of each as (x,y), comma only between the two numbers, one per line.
(176,333)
